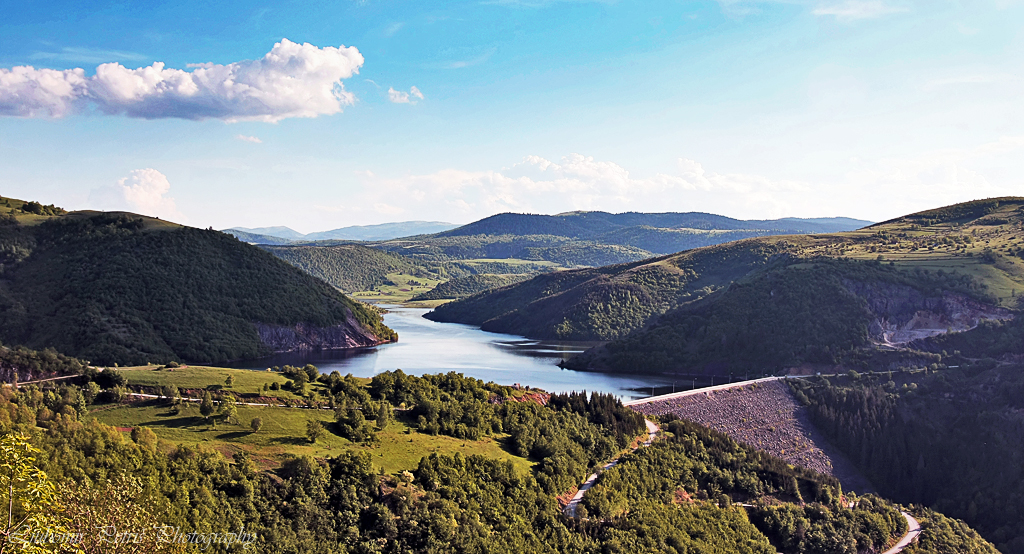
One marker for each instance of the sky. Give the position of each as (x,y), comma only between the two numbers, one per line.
(323,114)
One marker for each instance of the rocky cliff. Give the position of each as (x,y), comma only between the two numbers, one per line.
(902,314)
(290,338)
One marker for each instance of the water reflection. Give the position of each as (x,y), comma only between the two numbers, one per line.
(430,347)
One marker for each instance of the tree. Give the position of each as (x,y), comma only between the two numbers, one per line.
(171,393)
(384,415)
(144,437)
(91,391)
(256,424)
(120,504)
(315,430)
(230,380)
(228,409)
(206,406)
(27,495)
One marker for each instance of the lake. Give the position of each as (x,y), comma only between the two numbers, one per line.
(426,346)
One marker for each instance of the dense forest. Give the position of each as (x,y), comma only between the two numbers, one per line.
(606,302)
(948,439)
(676,496)
(124,289)
(350,267)
(817,311)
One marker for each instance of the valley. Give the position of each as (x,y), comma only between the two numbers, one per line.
(386,422)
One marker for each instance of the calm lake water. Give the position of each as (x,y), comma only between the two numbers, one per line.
(426,346)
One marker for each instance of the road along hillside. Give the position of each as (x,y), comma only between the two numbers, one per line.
(570,508)
(764,414)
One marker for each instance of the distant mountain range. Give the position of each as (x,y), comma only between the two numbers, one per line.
(383,231)
(770,303)
(575,225)
(591,225)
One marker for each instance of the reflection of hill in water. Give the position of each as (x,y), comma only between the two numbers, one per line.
(543,349)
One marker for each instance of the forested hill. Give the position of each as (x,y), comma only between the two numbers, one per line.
(120,288)
(591,225)
(591,239)
(350,267)
(949,439)
(772,303)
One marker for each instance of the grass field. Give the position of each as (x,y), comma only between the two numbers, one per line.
(284,429)
(245,381)
(284,434)
(405,287)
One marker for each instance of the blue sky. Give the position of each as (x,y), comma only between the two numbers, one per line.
(456,110)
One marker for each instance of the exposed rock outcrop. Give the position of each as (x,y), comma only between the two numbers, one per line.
(281,338)
(903,314)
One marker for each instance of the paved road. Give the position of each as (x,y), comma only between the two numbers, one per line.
(702,390)
(914,529)
(570,509)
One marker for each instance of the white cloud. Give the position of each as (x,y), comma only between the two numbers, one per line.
(29,92)
(292,80)
(248,138)
(851,10)
(576,182)
(401,97)
(143,191)
(873,189)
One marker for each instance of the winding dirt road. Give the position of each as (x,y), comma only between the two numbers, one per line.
(913,531)
(570,508)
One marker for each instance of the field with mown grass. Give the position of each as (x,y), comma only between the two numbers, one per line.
(245,382)
(404,287)
(284,434)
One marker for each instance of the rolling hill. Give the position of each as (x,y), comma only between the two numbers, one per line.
(383,231)
(781,302)
(349,267)
(121,288)
(590,225)
(590,239)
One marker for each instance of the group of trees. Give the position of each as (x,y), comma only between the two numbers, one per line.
(949,440)
(99,477)
(350,267)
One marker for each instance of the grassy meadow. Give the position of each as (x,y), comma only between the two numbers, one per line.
(404,288)
(283,434)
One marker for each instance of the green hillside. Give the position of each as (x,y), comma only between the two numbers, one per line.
(462,287)
(591,239)
(949,439)
(772,303)
(491,472)
(120,288)
(350,267)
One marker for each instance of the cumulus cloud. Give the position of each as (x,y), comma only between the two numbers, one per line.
(292,80)
(575,182)
(401,97)
(872,189)
(852,10)
(143,191)
(248,138)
